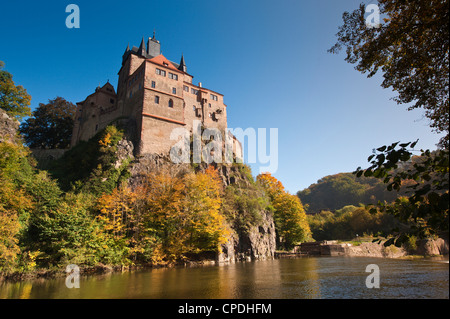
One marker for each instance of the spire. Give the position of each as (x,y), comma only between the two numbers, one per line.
(126,53)
(142,50)
(182,66)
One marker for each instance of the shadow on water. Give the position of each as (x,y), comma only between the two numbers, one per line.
(297,278)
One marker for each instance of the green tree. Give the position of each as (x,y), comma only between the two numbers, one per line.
(426,182)
(410,48)
(51,125)
(14,99)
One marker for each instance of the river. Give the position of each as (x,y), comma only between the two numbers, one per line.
(303,278)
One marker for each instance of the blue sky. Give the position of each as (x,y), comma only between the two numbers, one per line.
(269,59)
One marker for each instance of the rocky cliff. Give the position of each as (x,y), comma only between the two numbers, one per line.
(253,240)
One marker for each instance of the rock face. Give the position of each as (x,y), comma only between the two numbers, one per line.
(256,244)
(259,242)
(376,250)
(8,128)
(432,247)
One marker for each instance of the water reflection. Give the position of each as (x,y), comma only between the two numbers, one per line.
(324,277)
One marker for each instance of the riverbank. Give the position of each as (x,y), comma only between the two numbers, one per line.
(425,248)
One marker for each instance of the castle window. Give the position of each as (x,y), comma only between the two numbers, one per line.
(209,104)
(194,91)
(96,127)
(213,97)
(173,76)
(194,108)
(153,84)
(186,88)
(160,72)
(111,101)
(174,90)
(157,99)
(170,103)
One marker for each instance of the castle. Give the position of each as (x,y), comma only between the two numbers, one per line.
(156,94)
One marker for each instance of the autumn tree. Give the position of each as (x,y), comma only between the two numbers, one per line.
(290,218)
(207,226)
(9,228)
(411,50)
(15,203)
(50,125)
(166,217)
(121,215)
(14,99)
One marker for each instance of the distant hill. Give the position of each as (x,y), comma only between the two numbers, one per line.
(336,191)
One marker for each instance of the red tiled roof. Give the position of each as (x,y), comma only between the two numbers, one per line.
(161,60)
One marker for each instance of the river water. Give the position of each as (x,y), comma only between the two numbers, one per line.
(304,278)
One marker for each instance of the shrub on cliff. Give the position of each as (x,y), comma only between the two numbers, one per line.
(290,219)
(92,166)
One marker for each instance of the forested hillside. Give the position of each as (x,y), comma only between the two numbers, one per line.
(336,191)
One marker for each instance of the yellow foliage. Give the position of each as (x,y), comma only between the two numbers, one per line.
(106,140)
(290,217)
(9,228)
(170,215)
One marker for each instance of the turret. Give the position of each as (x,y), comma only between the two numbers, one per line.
(142,51)
(182,66)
